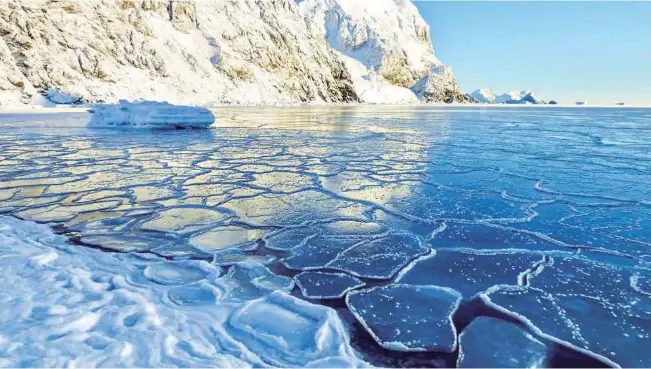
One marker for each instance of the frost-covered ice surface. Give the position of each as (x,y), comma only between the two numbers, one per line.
(538,216)
(320,285)
(150,114)
(408,318)
(589,305)
(469,271)
(507,347)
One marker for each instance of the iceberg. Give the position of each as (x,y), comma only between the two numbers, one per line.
(150,114)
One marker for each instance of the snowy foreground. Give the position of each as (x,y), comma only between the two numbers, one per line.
(65,305)
(150,114)
(440,236)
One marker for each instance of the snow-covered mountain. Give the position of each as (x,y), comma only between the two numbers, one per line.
(385,44)
(209,52)
(485,96)
(510,96)
(529,98)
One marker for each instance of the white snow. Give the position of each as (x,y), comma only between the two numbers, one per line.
(373,32)
(483,95)
(66,305)
(511,95)
(385,45)
(150,114)
(370,87)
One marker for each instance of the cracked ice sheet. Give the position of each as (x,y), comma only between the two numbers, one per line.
(296,208)
(493,237)
(378,257)
(407,318)
(320,285)
(493,343)
(102,309)
(589,305)
(468,271)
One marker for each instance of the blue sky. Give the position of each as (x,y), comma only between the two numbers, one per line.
(565,51)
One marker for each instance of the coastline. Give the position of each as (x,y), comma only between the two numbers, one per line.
(85,108)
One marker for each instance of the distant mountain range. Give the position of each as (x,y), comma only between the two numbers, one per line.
(486,96)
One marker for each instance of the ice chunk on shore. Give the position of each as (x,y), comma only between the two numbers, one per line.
(298,332)
(408,318)
(320,285)
(250,280)
(493,343)
(150,114)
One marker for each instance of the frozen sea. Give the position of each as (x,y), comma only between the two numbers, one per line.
(329,237)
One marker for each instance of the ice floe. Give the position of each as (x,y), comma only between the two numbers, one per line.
(320,285)
(150,114)
(65,305)
(227,237)
(469,271)
(493,343)
(180,272)
(237,256)
(408,318)
(290,332)
(250,280)
(586,304)
(183,219)
(378,257)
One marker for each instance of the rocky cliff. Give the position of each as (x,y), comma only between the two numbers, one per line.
(213,52)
